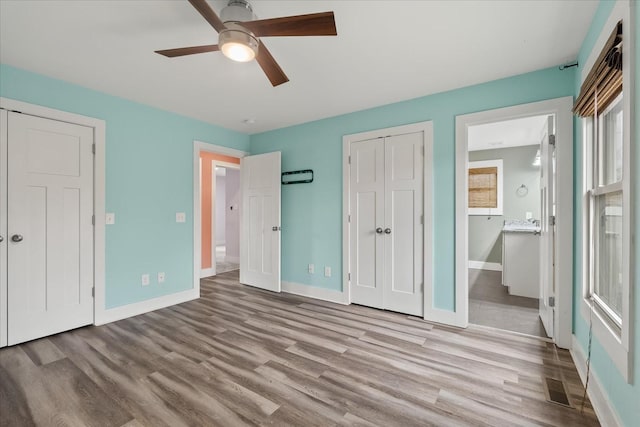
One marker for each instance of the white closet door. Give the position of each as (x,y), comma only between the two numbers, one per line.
(3,228)
(367,216)
(260,219)
(547,237)
(403,238)
(50,232)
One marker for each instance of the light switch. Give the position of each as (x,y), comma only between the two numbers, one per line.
(181,217)
(110,218)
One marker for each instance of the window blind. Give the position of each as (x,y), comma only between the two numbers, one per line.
(483,187)
(604,82)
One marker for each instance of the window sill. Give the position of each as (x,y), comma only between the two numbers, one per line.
(608,337)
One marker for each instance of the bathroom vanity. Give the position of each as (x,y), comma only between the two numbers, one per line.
(521,258)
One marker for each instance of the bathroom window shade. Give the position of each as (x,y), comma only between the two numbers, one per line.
(483,187)
(604,82)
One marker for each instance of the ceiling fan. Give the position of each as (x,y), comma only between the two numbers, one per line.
(239,34)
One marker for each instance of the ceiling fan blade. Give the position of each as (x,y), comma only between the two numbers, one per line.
(207,13)
(182,51)
(313,24)
(270,67)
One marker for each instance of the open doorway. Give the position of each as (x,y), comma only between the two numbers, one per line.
(225,239)
(504,213)
(555,297)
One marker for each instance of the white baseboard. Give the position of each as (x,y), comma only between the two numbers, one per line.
(234,259)
(480,265)
(445,317)
(604,409)
(207,272)
(330,295)
(130,310)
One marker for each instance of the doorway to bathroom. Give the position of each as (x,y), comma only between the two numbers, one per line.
(505,192)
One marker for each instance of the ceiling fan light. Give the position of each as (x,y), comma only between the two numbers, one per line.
(238,45)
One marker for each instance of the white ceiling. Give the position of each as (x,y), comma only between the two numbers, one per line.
(385,51)
(509,133)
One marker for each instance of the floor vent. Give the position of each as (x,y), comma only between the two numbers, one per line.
(556,392)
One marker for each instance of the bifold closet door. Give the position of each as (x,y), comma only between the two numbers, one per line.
(50,231)
(367,222)
(403,209)
(386,231)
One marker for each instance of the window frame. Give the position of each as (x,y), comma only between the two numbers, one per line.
(498,164)
(614,338)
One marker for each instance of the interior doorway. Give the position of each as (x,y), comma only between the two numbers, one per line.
(225,229)
(556,215)
(504,219)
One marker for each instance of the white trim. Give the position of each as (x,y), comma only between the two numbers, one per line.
(4,321)
(603,407)
(199,146)
(427,129)
(207,272)
(561,108)
(135,309)
(617,343)
(481,265)
(99,139)
(497,163)
(315,292)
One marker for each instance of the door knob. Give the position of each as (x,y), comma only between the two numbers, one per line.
(275,228)
(1,239)
(387,231)
(379,230)
(17,238)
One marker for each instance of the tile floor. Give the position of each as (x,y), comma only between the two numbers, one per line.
(223,266)
(491,305)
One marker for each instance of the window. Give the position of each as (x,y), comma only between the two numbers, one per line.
(604,106)
(485,187)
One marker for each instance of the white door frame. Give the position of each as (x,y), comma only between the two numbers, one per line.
(199,146)
(427,129)
(99,131)
(561,108)
(213,270)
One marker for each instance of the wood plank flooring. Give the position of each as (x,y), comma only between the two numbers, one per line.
(241,356)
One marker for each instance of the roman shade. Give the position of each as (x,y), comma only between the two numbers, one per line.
(604,82)
(483,187)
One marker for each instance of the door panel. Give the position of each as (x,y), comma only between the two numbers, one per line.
(547,229)
(367,211)
(403,215)
(260,214)
(50,204)
(3,228)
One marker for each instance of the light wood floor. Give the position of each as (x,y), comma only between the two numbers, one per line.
(241,356)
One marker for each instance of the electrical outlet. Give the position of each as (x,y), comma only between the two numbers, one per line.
(327,271)
(181,217)
(110,218)
(312,269)
(145,280)
(529,215)
(160,277)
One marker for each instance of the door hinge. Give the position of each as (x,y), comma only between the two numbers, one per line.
(93,148)
(421,219)
(552,220)
(93,292)
(552,301)
(349,276)
(348,218)
(552,140)
(349,160)
(93,220)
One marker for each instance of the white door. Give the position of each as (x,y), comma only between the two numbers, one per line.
(367,181)
(50,231)
(3,228)
(260,219)
(547,228)
(403,234)
(386,234)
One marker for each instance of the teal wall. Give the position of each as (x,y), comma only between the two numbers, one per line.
(149,177)
(624,397)
(311,213)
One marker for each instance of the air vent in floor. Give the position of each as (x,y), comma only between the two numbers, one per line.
(556,392)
